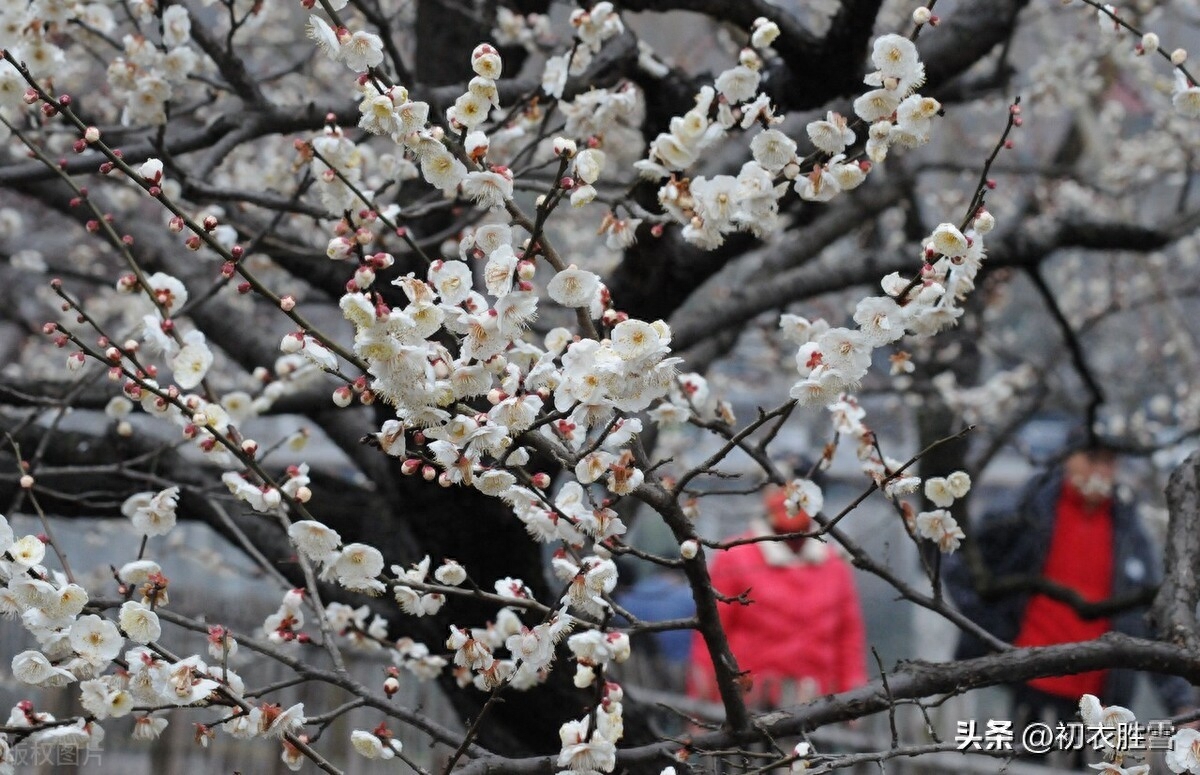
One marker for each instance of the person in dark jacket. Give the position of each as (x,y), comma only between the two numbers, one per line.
(1071,528)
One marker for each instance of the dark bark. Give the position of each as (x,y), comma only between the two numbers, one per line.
(1174,609)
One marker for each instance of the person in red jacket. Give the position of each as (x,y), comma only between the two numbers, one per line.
(802,635)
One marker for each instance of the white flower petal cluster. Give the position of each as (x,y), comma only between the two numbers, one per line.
(359,51)
(371,746)
(356,567)
(943,491)
(260,498)
(594,26)
(139,623)
(1186,97)
(1096,715)
(337,167)
(1183,755)
(152,514)
(413,601)
(584,750)
(941,528)
(285,624)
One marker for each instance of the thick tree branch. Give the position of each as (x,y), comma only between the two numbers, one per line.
(1175,607)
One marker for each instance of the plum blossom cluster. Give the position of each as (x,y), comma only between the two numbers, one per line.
(991,400)
(479,660)
(149,76)
(937,525)
(833,360)
(78,647)
(893,113)
(474,395)
(1185,95)
(1183,749)
(153,67)
(592,28)
(355,566)
(589,744)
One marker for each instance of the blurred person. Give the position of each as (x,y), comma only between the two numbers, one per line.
(1072,528)
(801,636)
(656,596)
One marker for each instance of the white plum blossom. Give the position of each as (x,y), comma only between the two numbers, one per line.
(738,84)
(96,640)
(450,573)
(357,566)
(941,528)
(958,483)
(588,164)
(27,551)
(574,287)
(949,241)
(451,280)
(831,135)
(489,188)
(1183,755)
(584,750)
(169,293)
(361,51)
(1186,97)
(152,514)
(898,65)
(371,746)
(314,540)
(32,667)
(139,623)
(937,490)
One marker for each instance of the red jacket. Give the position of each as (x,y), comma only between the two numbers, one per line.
(801,637)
